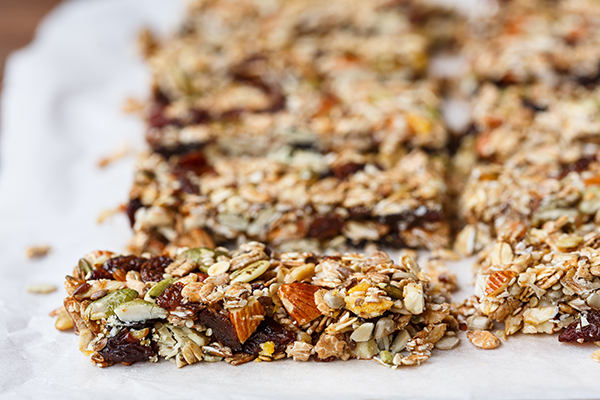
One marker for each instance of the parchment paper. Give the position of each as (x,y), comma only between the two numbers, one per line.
(61,112)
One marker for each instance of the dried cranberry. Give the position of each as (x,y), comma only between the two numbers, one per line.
(575,332)
(125,348)
(222,328)
(269,330)
(345,170)
(131,208)
(325,227)
(153,269)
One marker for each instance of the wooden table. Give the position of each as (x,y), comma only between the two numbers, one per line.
(18,20)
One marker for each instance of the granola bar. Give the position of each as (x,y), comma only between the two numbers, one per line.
(534,158)
(542,280)
(293,199)
(205,304)
(327,75)
(536,40)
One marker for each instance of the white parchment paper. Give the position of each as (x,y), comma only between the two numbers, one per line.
(60,114)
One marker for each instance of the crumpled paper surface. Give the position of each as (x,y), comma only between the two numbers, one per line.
(61,112)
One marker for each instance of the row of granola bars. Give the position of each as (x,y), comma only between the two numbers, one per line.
(310,126)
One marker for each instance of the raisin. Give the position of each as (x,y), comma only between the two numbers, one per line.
(171,297)
(158,119)
(124,263)
(325,227)
(153,269)
(193,161)
(131,208)
(577,166)
(101,274)
(222,328)
(199,116)
(345,170)
(527,103)
(178,150)
(125,348)
(269,330)
(360,212)
(318,359)
(588,333)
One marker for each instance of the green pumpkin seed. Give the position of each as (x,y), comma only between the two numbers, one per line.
(139,310)
(105,306)
(392,291)
(85,267)
(199,254)
(157,289)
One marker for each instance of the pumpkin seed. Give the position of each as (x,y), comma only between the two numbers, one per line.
(104,307)
(157,289)
(139,310)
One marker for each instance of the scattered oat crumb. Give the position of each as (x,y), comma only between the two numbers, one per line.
(64,322)
(37,251)
(596,356)
(119,153)
(501,335)
(483,339)
(41,288)
(104,215)
(132,106)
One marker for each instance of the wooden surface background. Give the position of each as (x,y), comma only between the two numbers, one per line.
(18,20)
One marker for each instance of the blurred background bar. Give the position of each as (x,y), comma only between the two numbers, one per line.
(18,20)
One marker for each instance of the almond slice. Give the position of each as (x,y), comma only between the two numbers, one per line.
(497,282)
(299,301)
(245,320)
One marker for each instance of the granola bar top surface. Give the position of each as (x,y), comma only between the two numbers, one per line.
(542,280)
(544,41)
(293,198)
(205,304)
(293,71)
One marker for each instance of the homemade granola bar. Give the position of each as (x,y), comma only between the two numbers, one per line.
(205,304)
(546,41)
(534,158)
(542,280)
(292,199)
(327,75)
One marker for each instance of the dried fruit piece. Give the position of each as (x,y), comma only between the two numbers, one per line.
(250,272)
(483,339)
(497,282)
(222,328)
(246,319)
(355,301)
(299,301)
(269,330)
(154,269)
(585,329)
(124,347)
